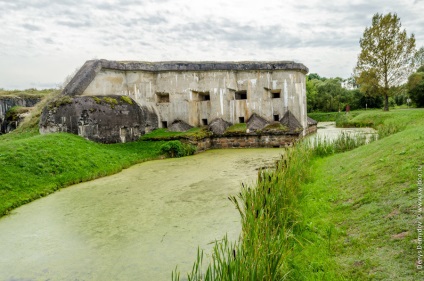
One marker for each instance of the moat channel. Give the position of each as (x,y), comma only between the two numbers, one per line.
(135,225)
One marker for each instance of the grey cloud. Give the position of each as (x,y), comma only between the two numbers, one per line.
(151,20)
(74,23)
(31,27)
(48,41)
(267,37)
(105,6)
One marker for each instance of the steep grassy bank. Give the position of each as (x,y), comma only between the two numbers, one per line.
(32,165)
(362,205)
(350,216)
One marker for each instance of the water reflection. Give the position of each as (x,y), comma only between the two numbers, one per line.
(328,130)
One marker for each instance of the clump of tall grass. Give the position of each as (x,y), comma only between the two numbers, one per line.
(272,223)
(324,146)
(388,129)
(176,148)
(270,217)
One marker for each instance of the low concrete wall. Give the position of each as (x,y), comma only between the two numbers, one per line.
(245,141)
(251,141)
(311,129)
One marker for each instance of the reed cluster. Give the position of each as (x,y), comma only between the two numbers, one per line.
(271,218)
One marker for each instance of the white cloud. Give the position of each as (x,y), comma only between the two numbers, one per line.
(45,40)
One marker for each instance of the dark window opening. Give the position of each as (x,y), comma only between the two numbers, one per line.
(241,95)
(204,96)
(162,97)
(164,124)
(241,119)
(204,122)
(276,117)
(201,96)
(276,94)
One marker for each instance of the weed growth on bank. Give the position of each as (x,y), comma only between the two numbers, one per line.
(288,232)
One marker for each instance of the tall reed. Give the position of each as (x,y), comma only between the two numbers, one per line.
(272,224)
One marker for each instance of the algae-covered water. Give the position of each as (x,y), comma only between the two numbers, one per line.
(135,225)
(328,130)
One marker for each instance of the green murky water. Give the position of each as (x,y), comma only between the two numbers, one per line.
(135,225)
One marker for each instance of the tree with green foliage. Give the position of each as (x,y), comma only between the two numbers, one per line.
(419,57)
(386,58)
(416,87)
(311,95)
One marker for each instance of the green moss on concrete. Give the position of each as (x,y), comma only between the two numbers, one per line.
(111,101)
(275,127)
(127,99)
(59,101)
(236,129)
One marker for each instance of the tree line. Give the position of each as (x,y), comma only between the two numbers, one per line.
(389,72)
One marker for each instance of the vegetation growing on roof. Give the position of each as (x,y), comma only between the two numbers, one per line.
(127,99)
(28,93)
(236,129)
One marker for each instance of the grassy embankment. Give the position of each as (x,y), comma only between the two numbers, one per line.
(348,216)
(26,93)
(34,165)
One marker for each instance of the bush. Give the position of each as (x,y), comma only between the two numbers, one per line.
(342,121)
(177,149)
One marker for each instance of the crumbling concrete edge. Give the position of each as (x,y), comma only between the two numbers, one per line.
(89,70)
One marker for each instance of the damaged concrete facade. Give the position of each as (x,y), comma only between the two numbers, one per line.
(198,92)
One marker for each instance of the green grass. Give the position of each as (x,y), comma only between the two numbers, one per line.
(349,216)
(239,128)
(367,198)
(32,165)
(333,116)
(26,93)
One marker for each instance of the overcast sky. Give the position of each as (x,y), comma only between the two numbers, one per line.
(44,41)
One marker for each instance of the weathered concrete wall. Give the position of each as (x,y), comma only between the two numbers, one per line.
(6,103)
(246,141)
(198,92)
(103,119)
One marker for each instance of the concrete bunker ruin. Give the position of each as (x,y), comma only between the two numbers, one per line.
(192,93)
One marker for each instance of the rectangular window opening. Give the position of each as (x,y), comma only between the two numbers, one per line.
(241,119)
(164,124)
(201,96)
(241,95)
(162,97)
(276,94)
(204,96)
(204,122)
(276,117)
